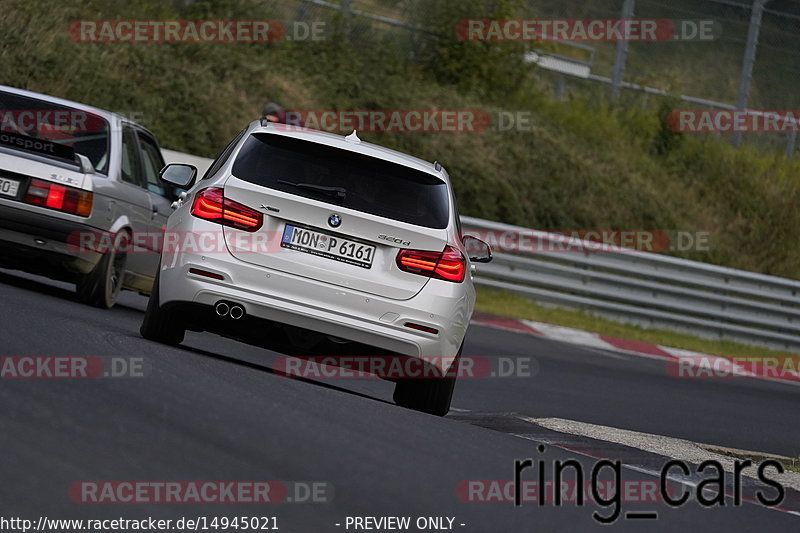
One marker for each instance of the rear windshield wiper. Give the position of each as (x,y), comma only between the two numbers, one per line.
(339,192)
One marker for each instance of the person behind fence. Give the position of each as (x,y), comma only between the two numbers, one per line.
(273,113)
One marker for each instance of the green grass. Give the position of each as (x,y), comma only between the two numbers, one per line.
(582,165)
(511,305)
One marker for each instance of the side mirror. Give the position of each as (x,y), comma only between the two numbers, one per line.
(179,175)
(477,250)
(84,163)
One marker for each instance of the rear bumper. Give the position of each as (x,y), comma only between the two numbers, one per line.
(321,307)
(40,243)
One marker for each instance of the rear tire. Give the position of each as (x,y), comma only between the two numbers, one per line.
(101,287)
(431,395)
(159,324)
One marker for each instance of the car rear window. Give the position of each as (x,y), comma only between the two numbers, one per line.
(372,185)
(36,125)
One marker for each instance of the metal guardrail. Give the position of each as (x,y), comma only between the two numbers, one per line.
(646,289)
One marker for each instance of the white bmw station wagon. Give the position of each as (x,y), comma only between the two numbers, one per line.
(311,242)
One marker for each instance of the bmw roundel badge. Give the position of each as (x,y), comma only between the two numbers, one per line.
(334,220)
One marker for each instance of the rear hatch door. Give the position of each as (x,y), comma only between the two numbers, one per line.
(334,215)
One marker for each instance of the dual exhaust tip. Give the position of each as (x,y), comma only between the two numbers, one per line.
(230,310)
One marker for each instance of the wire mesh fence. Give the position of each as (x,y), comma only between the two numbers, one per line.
(705,70)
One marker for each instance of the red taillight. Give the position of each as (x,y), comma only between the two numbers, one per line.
(448,265)
(206,273)
(211,204)
(60,197)
(420,327)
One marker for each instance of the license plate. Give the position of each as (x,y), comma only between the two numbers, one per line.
(8,187)
(328,246)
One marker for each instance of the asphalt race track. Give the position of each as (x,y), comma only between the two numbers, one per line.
(215,409)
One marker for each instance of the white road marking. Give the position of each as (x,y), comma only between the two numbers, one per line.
(680,449)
